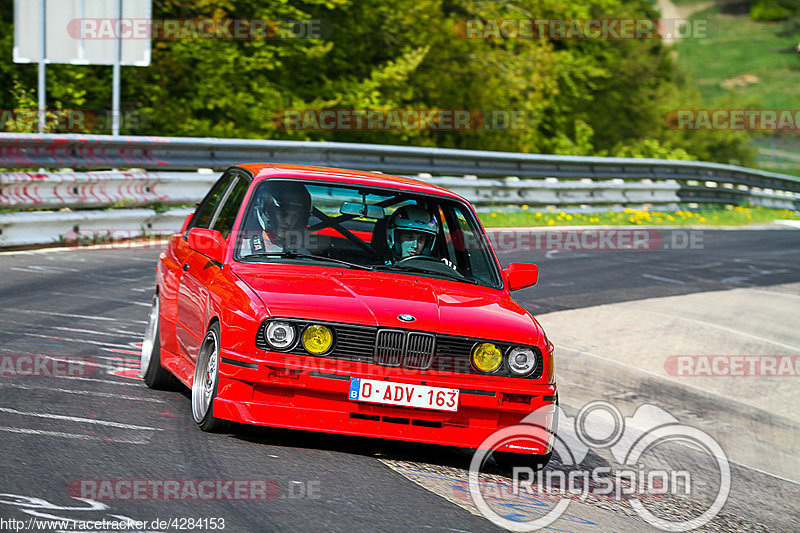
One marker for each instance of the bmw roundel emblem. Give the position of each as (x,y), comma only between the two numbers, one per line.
(406,318)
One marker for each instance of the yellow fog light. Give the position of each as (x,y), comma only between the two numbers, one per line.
(486,357)
(317,339)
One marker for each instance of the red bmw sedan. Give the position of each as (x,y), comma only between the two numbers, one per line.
(347,302)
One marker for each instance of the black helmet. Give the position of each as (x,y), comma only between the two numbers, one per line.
(283,195)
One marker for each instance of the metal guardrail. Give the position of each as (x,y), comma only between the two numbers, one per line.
(78,228)
(82,190)
(484,178)
(21,151)
(30,190)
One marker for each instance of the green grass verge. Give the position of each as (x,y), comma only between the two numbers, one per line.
(737,46)
(733,216)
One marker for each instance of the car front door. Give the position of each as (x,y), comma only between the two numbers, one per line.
(198,271)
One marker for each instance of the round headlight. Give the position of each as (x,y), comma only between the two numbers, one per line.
(280,335)
(521,360)
(486,357)
(317,339)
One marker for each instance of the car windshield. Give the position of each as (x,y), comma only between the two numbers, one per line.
(361,227)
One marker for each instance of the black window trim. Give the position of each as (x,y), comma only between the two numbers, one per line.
(238,174)
(472,218)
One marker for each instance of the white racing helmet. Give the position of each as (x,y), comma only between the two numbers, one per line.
(411,218)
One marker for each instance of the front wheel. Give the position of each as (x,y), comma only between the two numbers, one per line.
(206,381)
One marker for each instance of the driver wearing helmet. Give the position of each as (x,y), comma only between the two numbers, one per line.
(282,212)
(411,231)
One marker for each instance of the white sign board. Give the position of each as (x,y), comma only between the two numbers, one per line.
(79,32)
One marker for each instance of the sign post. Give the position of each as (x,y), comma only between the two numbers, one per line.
(57,32)
(117,74)
(42,84)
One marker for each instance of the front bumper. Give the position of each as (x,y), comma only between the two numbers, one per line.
(311,393)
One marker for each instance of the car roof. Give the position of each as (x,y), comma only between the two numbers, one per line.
(357,177)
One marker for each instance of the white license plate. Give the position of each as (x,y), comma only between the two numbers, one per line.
(407,395)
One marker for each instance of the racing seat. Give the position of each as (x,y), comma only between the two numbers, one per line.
(378,242)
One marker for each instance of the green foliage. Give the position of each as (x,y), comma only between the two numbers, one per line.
(740,47)
(588,97)
(159,207)
(772,10)
(728,215)
(651,148)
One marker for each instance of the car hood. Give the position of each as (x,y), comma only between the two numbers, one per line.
(377,299)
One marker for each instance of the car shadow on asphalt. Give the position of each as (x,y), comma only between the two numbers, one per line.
(410,452)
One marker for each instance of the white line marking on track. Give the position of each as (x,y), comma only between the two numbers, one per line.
(68,315)
(92,297)
(144,440)
(764,472)
(122,245)
(731,330)
(666,280)
(787,294)
(116,333)
(44,269)
(86,341)
(790,223)
(83,392)
(79,420)
(126,382)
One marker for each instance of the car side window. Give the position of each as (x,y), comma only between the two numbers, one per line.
(230,208)
(469,249)
(203,216)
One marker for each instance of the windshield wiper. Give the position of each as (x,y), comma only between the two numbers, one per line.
(293,255)
(408,268)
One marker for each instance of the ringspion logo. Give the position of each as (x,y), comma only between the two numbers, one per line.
(539,498)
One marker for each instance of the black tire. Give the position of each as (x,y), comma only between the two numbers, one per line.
(206,382)
(153,374)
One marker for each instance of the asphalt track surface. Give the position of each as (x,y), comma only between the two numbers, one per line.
(57,431)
